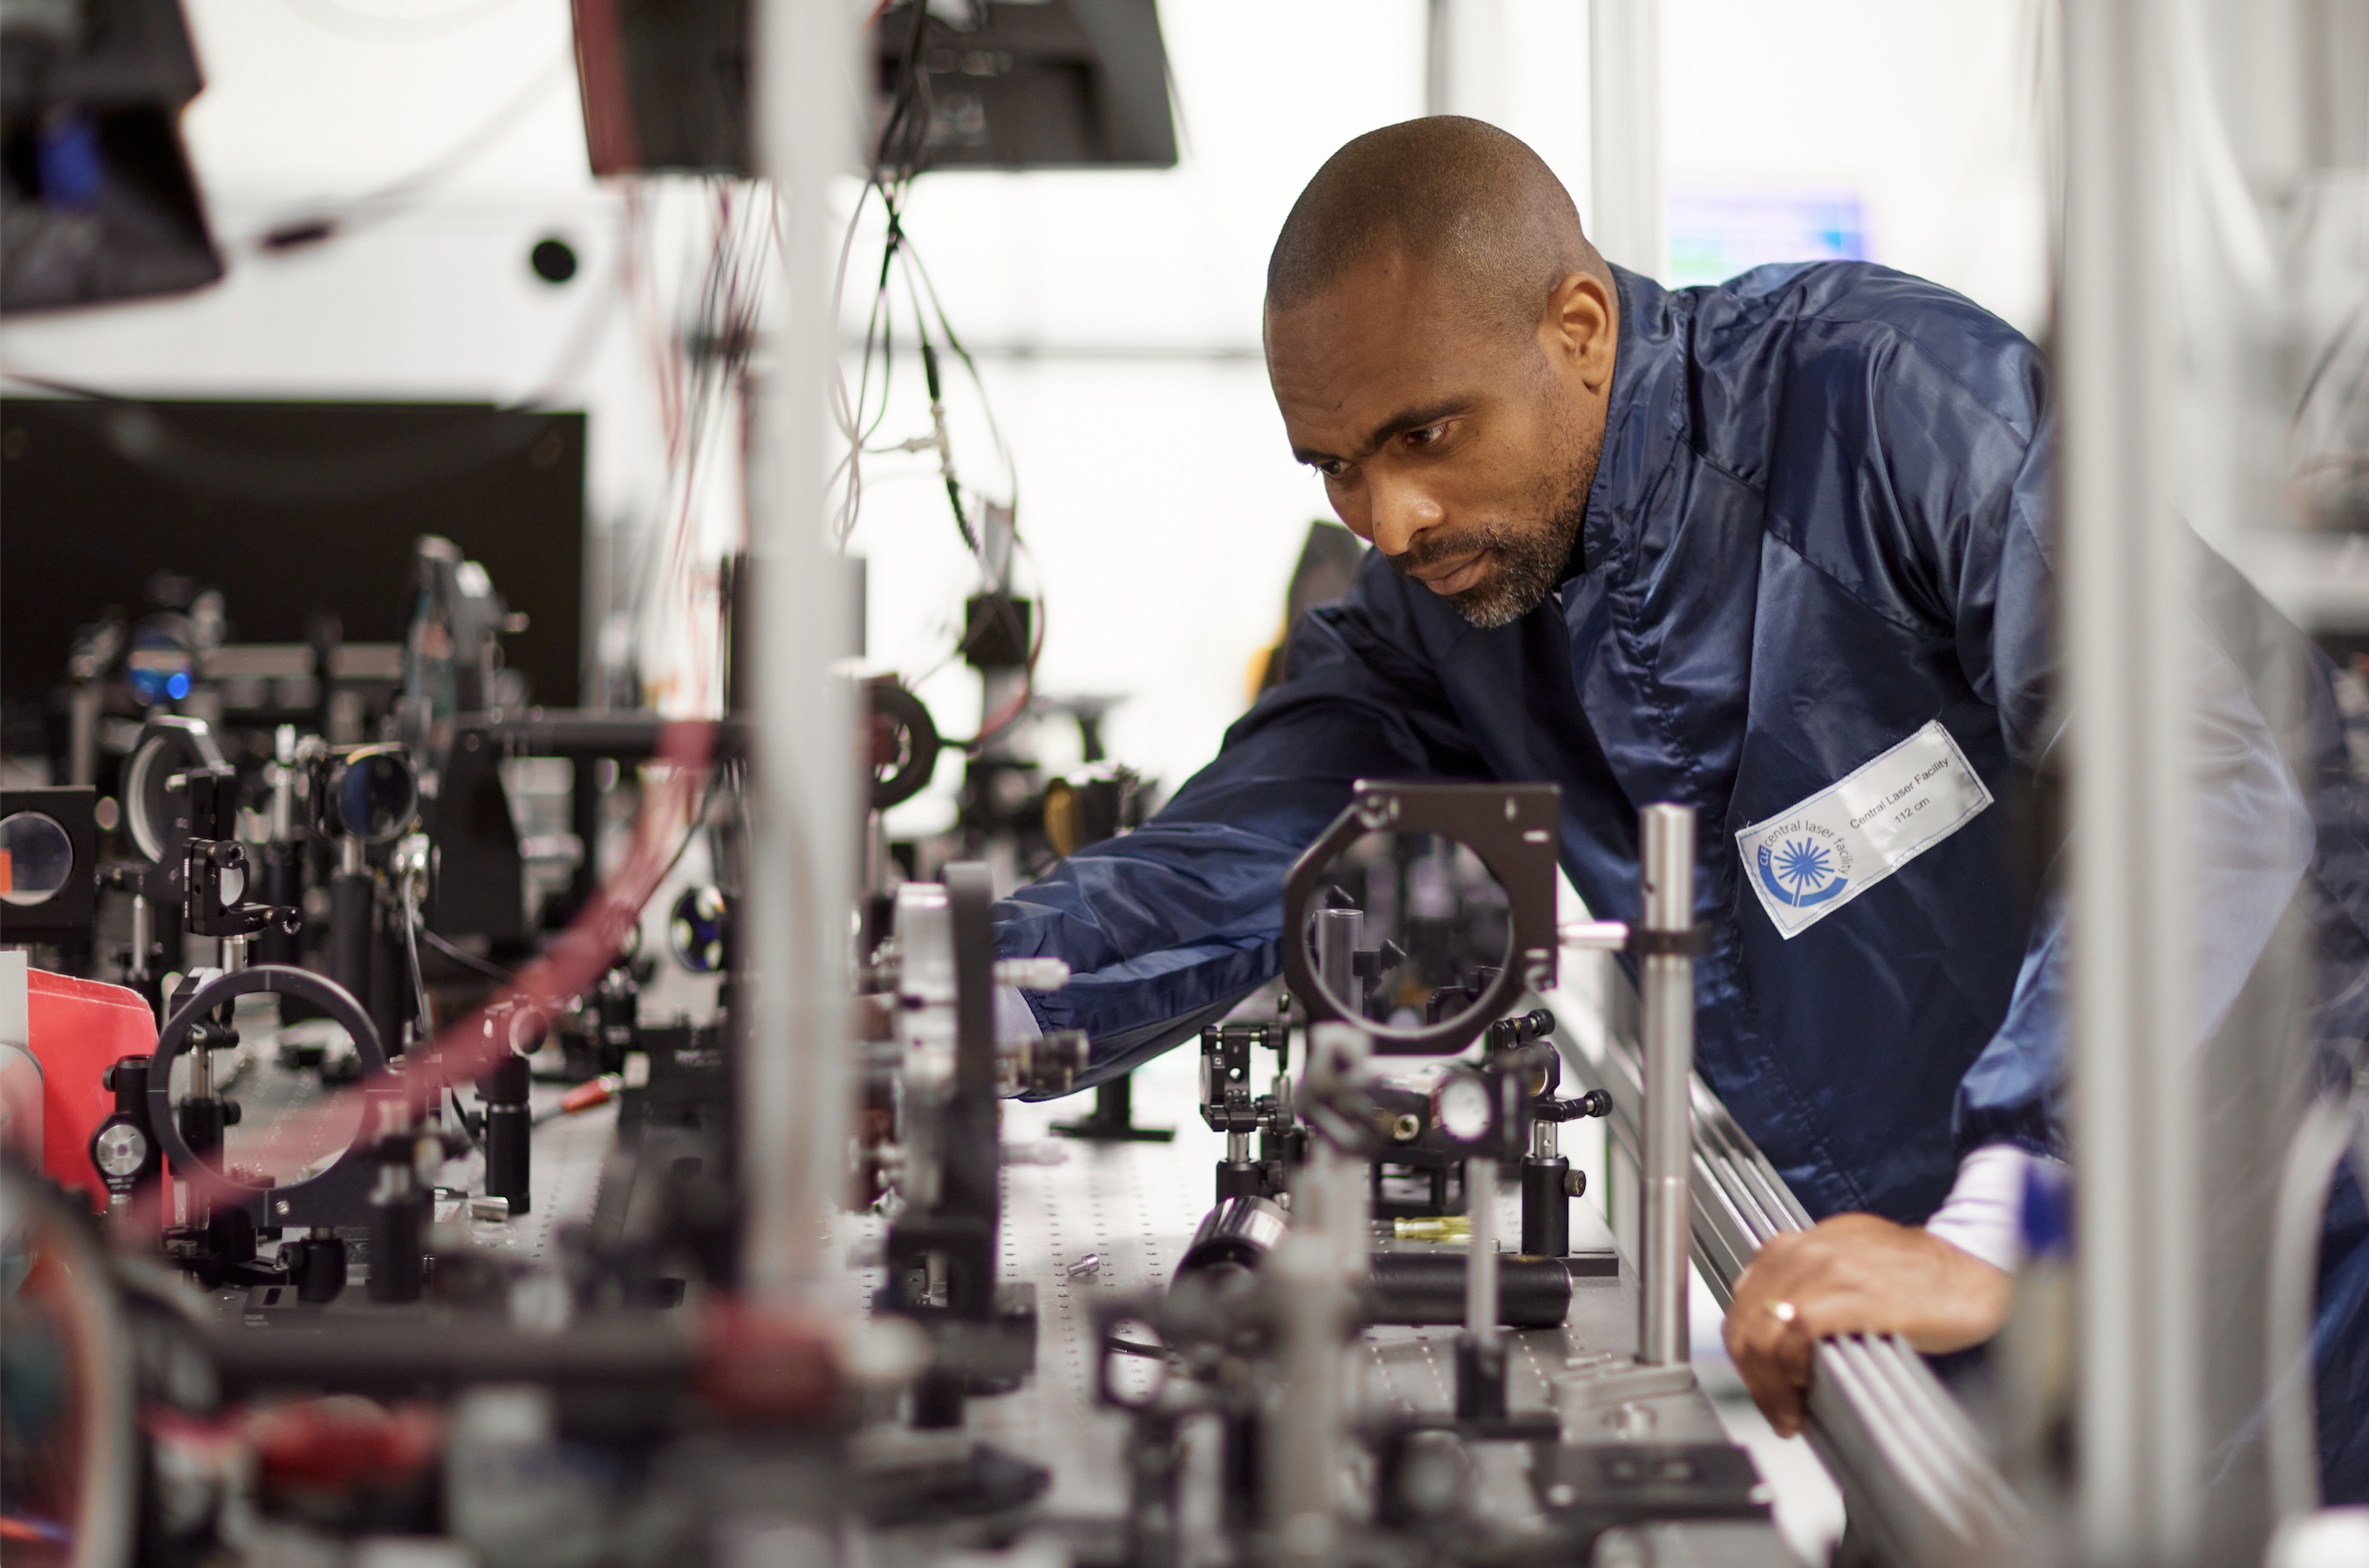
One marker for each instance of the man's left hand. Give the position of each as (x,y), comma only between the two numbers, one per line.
(1854,1273)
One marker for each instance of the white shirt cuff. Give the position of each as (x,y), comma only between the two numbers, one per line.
(1014,1019)
(1984,1213)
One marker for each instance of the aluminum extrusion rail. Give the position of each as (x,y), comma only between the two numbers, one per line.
(1915,1479)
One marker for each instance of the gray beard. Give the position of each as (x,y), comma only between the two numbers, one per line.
(1527,559)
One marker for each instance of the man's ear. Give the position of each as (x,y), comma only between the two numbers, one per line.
(1581,328)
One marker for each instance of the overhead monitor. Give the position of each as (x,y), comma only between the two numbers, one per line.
(998,84)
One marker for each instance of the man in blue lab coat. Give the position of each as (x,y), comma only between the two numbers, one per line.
(1734,547)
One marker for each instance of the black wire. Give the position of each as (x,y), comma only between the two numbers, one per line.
(465,958)
(698,821)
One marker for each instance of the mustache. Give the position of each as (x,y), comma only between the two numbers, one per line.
(1428,550)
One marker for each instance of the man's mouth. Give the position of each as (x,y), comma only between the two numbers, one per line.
(1456,580)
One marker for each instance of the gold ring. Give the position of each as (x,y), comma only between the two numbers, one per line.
(1784,1312)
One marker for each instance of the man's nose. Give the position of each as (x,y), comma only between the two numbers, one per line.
(1402,511)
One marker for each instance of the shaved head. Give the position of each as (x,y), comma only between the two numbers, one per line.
(1440,338)
(1465,199)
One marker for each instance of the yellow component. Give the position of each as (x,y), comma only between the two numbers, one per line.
(1061,818)
(1447,1228)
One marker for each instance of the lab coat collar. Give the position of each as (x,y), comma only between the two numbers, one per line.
(1638,432)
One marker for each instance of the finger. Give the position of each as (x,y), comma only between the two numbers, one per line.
(1784,1408)
(1795,1363)
(1764,1380)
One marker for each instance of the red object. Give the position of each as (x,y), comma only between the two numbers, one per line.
(336,1444)
(76,1029)
(609,141)
(591,1092)
(767,1363)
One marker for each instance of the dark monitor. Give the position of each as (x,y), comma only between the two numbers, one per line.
(289,509)
(1010,85)
(1047,84)
(97,199)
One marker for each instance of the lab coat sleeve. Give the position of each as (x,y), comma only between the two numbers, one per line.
(1165,928)
(1974,504)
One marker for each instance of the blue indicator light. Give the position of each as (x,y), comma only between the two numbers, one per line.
(178,685)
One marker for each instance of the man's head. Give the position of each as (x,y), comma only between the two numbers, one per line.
(1440,338)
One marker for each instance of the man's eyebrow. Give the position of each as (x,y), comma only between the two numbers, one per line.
(1396,425)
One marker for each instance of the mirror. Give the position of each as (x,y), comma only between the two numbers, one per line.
(167,748)
(36,857)
(1417,923)
(696,929)
(377,794)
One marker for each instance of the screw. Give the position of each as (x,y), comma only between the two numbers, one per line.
(1407,1128)
(280,1208)
(1574,1183)
(1090,1264)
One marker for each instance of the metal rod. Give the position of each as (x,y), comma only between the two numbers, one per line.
(144,937)
(807,844)
(1481,1263)
(1338,935)
(2126,578)
(1624,96)
(1667,995)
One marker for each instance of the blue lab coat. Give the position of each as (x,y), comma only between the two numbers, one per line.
(1821,519)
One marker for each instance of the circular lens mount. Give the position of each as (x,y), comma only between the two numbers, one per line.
(168,745)
(377,794)
(37,858)
(1513,829)
(334,1196)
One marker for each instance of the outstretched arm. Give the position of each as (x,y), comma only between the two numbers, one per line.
(1167,926)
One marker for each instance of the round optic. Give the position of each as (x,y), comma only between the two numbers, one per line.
(1411,929)
(377,794)
(120,1151)
(166,747)
(36,857)
(158,667)
(1461,1106)
(233,886)
(695,929)
(528,1027)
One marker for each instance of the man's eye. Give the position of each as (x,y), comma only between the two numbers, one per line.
(1426,436)
(1331,468)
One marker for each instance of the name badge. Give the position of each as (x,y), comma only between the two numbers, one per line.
(1813,858)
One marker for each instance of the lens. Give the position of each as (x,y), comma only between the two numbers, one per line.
(1409,932)
(232,882)
(377,794)
(120,1151)
(166,747)
(695,929)
(36,858)
(1461,1103)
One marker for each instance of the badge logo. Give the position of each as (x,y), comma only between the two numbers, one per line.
(1819,855)
(1800,872)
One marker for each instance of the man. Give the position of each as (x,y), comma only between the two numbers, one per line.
(1726,548)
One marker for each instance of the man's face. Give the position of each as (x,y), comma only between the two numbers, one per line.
(1463,453)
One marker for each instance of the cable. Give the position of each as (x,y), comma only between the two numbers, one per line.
(465,958)
(411,949)
(315,227)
